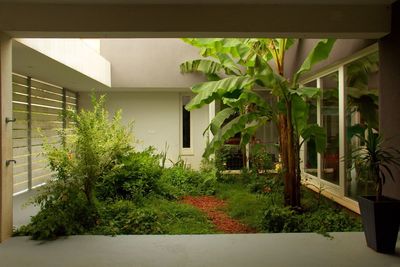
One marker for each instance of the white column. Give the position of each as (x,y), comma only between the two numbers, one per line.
(342,129)
(319,122)
(6,179)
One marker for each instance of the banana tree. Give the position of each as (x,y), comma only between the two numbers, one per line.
(235,67)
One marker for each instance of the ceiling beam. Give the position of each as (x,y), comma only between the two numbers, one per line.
(299,21)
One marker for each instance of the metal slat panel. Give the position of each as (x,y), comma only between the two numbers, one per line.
(20,125)
(20,88)
(20,151)
(49,110)
(46,102)
(46,86)
(20,134)
(19,79)
(20,98)
(45,117)
(20,187)
(20,107)
(20,142)
(46,94)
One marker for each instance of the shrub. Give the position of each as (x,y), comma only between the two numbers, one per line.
(135,178)
(90,151)
(179,181)
(278,219)
(62,212)
(124,217)
(260,159)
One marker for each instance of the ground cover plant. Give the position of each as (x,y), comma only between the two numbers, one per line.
(264,210)
(104,186)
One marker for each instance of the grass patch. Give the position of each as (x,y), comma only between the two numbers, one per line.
(265,211)
(242,205)
(179,218)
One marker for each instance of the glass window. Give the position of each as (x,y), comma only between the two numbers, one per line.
(186,142)
(361,111)
(310,151)
(330,121)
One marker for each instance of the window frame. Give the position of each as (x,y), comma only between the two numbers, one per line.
(185,151)
(336,192)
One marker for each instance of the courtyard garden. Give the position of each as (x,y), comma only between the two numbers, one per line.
(103,185)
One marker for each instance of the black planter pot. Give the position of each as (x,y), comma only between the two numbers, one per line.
(381,222)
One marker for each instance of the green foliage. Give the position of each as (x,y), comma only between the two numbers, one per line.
(265,211)
(135,178)
(242,204)
(124,217)
(250,64)
(91,151)
(260,159)
(377,159)
(178,218)
(63,212)
(103,186)
(179,181)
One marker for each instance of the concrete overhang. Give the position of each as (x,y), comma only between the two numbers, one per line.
(29,61)
(127,19)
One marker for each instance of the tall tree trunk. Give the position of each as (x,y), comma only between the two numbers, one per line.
(288,153)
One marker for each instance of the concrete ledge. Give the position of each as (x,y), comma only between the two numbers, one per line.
(297,249)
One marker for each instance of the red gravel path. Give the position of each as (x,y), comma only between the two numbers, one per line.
(211,206)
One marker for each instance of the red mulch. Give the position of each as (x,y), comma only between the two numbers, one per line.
(212,207)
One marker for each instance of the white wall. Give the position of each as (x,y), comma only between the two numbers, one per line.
(74,53)
(156,117)
(149,63)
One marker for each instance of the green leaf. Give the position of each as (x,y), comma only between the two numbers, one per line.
(299,112)
(318,134)
(209,91)
(219,119)
(201,65)
(309,92)
(320,52)
(233,127)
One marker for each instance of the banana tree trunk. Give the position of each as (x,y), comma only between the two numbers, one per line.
(288,156)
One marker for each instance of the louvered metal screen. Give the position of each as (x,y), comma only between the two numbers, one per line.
(37,108)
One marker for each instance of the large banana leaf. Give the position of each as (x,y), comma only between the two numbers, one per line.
(219,119)
(237,125)
(308,92)
(209,91)
(248,97)
(320,52)
(201,65)
(299,112)
(318,134)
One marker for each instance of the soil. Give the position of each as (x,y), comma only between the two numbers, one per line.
(213,207)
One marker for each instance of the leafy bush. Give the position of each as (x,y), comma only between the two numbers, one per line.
(135,178)
(124,217)
(62,212)
(279,219)
(179,181)
(260,159)
(266,213)
(91,151)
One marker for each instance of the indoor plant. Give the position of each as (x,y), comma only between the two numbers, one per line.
(380,214)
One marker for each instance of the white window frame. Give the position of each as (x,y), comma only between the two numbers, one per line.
(185,151)
(336,192)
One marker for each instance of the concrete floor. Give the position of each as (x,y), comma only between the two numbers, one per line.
(244,250)
(22,211)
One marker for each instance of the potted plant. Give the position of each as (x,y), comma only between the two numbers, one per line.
(380,214)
